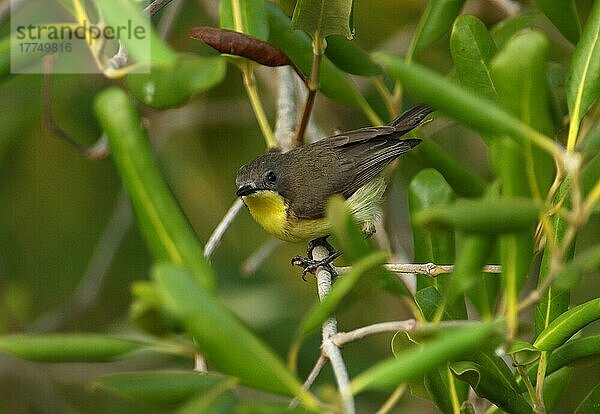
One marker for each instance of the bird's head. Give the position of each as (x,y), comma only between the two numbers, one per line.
(261,174)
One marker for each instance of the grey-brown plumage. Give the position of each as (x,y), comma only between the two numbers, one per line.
(306,176)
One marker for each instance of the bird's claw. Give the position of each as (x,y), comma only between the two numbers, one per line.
(311,265)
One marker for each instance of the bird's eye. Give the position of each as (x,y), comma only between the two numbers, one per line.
(271,177)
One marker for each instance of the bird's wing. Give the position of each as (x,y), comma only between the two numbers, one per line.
(365,152)
(406,122)
(367,159)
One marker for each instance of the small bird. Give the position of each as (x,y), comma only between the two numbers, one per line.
(286,193)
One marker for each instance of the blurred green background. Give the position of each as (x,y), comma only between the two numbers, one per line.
(55,205)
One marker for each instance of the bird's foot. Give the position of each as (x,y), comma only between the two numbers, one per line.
(310,265)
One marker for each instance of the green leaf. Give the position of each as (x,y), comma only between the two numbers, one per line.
(251,20)
(554,387)
(68,5)
(507,28)
(467,276)
(506,215)
(586,350)
(472,49)
(564,15)
(163,225)
(591,403)
(18,61)
(322,18)
(427,189)
(129,14)
(459,103)
(583,80)
(578,351)
(434,22)
(334,83)
(218,400)
(349,57)
(489,386)
(68,347)
(167,86)
(341,288)
(589,177)
(5,59)
(556,75)
(270,408)
(353,242)
(497,367)
(585,262)
(556,298)
(429,300)
(463,181)
(519,75)
(159,387)
(567,324)
(223,339)
(436,384)
(523,353)
(449,346)
(591,142)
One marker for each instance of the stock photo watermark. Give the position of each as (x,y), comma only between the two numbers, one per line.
(72,35)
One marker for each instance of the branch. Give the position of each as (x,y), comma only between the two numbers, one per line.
(215,238)
(342,338)
(287,113)
(260,255)
(429,269)
(329,330)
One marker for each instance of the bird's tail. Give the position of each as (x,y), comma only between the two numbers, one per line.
(411,119)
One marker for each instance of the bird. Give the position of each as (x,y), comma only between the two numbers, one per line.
(287,193)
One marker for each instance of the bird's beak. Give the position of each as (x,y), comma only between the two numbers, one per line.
(246,189)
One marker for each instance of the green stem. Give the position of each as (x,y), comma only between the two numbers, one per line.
(386,96)
(259,111)
(539,383)
(452,390)
(530,390)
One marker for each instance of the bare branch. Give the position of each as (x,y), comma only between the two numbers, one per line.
(215,238)
(329,330)
(260,255)
(342,338)
(429,269)
(321,362)
(287,114)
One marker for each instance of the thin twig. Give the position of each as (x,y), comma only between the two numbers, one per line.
(313,87)
(393,400)
(93,278)
(314,373)
(215,238)
(260,255)
(329,330)
(342,338)
(429,269)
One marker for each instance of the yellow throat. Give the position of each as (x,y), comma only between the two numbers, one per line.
(270,210)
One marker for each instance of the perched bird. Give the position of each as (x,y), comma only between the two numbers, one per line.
(286,193)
